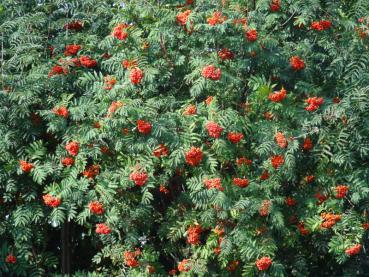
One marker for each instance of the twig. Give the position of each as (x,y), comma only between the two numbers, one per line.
(288,19)
(164,49)
(283,24)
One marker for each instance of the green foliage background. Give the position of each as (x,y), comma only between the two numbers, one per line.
(337,65)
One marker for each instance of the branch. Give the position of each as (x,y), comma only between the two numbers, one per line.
(288,19)
(165,51)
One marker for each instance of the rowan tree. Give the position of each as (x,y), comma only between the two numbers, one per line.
(192,138)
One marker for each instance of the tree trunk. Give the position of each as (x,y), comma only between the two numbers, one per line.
(66,248)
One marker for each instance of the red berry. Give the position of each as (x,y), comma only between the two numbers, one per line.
(144,127)
(72,148)
(297,63)
(263,263)
(217,18)
(242,183)
(280,139)
(184,266)
(86,61)
(252,35)
(92,171)
(214,183)
(68,161)
(183,17)
(308,144)
(136,76)
(353,250)
(194,156)
(130,258)
(341,191)
(11,259)
(51,201)
(193,234)
(62,111)
(26,167)
(211,72)
(313,103)
(277,161)
(72,49)
(96,207)
(290,201)
(278,96)
(214,129)
(119,32)
(139,178)
(160,151)
(225,54)
(102,229)
(235,137)
(74,25)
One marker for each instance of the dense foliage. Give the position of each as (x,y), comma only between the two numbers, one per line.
(193,138)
